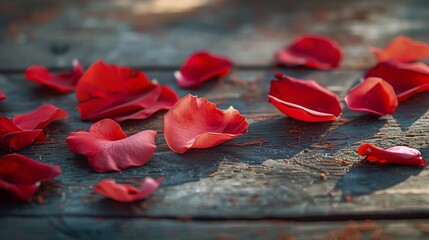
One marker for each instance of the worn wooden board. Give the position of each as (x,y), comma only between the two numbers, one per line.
(153,34)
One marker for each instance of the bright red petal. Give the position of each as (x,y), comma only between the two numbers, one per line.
(399,155)
(304,100)
(63,82)
(402,49)
(406,78)
(201,67)
(373,95)
(40,118)
(2,95)
(197,123)
(22,176)
(109,149)
(126,193)
(119,93)
(312,51)
(13,138)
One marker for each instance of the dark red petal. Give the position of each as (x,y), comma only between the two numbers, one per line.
(406,79)
(126,193)
(402,49)
(40,118)
(373,95)
(304,100)
(108,149)
(13,138)
(2,95)
(196,123)
(312,51)
(63,82)
(399,155)
(22,176)
(117,93)
(200,67)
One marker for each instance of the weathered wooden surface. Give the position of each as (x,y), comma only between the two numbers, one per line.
(272,172)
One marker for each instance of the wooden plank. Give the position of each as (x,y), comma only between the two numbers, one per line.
(139,34)
(274,171)
(90,228)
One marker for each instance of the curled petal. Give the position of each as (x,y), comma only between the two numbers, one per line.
(196,123)
(304,100)
(406,79)
(109,149)
(2,95)
(201,67)
(126,193)
(40,118)
(402,49)
(22,176)
(312,51)
(120,93)
(373,95)
(399,155)
(63,82)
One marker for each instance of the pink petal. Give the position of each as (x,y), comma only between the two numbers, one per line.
(402,49)
(196,123)
(63,82)
(399,155)
(373,95)
(312,51)
(40,118)
(22,176)
(109,149)
(200,67)
(304,100)
(2,95)
(406,79)
(126,193)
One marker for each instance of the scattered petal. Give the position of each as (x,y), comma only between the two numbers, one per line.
(125,193)
(196,123)
(399,155)
(108,148)
(2,95)
(373,95)
(120,93)
(402,49)
(22,176)
(406,79)
(312,51)
(201,67)
(304,100)
(27,128)
(64,82)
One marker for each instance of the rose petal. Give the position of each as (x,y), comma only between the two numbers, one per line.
(40,118)
(126,193)
(402,49)
(312,51)
(373,95)
(304,100)
(196,123)
(2,95)
(63,82)
(201,67)
(119,93)
(109,149)
(399,155)
(22,176)
(406,79)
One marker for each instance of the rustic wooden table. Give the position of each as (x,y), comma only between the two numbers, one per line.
(265,184)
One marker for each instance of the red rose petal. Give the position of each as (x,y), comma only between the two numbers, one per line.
(120,93)
(304,100)
(22,176)
(402,49)
(126,193)
(399,155)
(40,118)
(373,95)
(196,123)
(201,67)
(2,95)
(406,78)
(109,149)
(63,82)
(312,51)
